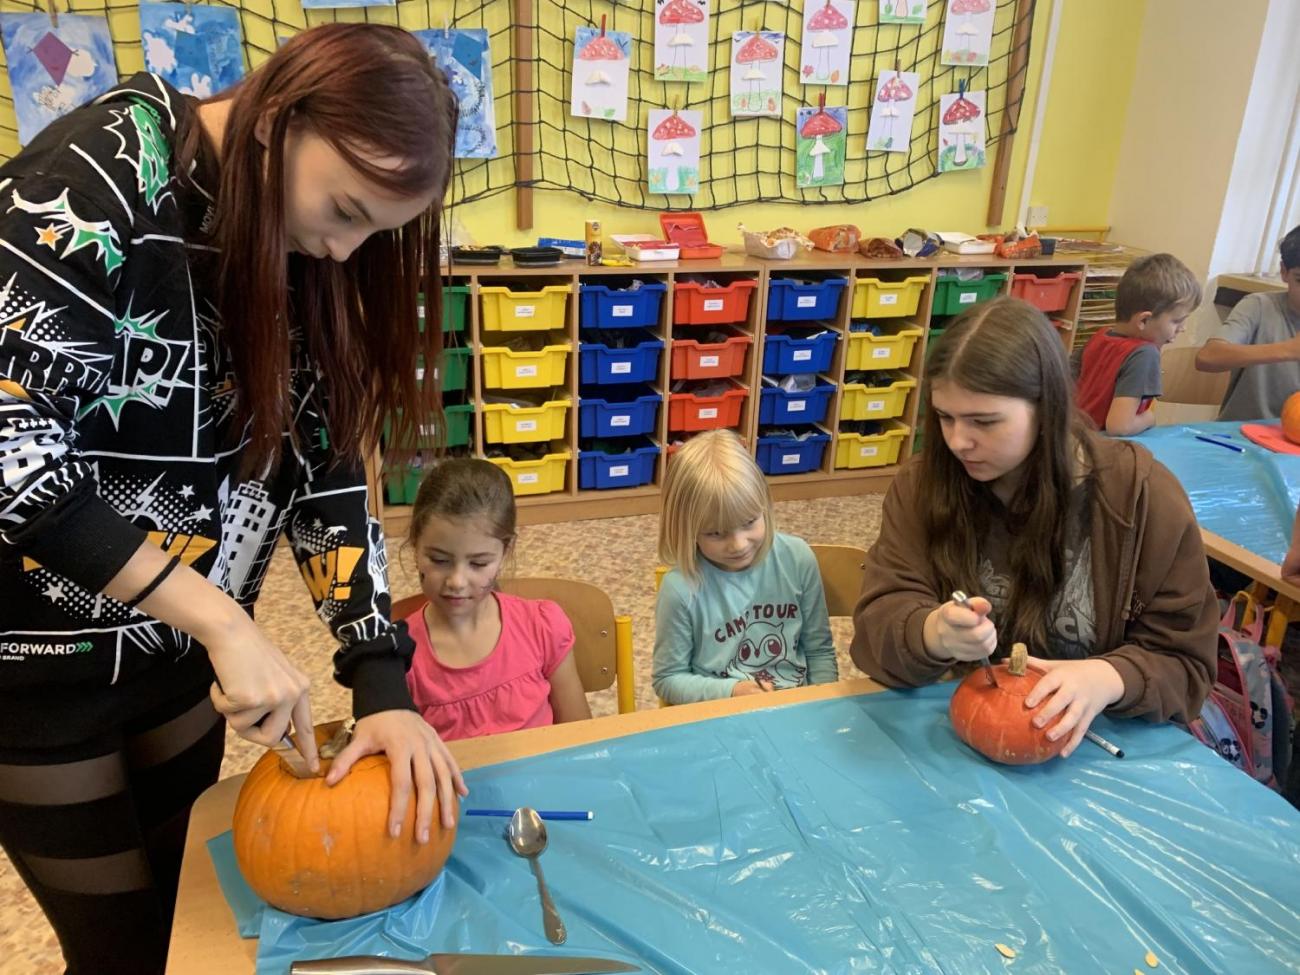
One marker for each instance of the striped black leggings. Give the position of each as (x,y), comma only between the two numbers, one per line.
(97,832)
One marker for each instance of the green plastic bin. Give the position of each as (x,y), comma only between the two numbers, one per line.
(952,296)
(455,369)
(458,421)
(455,301)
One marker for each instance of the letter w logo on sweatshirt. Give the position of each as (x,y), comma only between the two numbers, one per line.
(329,575)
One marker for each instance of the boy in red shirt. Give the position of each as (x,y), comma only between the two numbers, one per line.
(1119,368)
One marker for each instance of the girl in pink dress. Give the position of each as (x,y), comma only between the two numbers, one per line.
(485,661)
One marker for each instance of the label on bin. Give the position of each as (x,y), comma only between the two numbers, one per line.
(889,298)
(967,297)
(525,426)
(419,309)
(620,367)
(875,405)
(530,477)
(621,311)
(522,371)
(622,420)
(806,301)
(708,362)
(419,374)
(884,352)
(619,471)
(802,355)
(790,459)
(713,304)
(524,311)
(867,451)
(708,413)
(796,406)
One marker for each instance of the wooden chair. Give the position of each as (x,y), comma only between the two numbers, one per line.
(1189,396)
(602,639)
(841,568)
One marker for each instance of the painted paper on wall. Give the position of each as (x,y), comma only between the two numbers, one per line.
(674,151)
(892,110)
(961,130)
(466,60)
(967,32)
(681,40)
(819,154)
(827,42)
(902,11)
(52,69)
(324,4)
(196,49)
(601,61)
(757,63)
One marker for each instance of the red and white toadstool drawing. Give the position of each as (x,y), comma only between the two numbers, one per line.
(671,131)
(818,126)
(755,51)
(679,13)
(959,115)
(967,30)
(823,24)
(893,90)
(600,48)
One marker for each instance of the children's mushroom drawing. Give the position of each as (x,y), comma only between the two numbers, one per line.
(892,111)
(902,11)
(600,70)
(674,151)
(967,32)
(827,43)
(961,130)
(756,72)
(819,155)
(682,40)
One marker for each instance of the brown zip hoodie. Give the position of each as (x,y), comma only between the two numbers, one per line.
(1157,616)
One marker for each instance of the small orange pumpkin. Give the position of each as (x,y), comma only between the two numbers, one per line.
(994,720)
(318,851)
(1291,418)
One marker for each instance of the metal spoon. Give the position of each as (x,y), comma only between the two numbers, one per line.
(527,836)
(962,600)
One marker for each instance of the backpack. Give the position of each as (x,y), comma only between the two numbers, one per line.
(1247,716)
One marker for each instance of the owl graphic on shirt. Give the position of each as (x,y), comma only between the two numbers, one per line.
(764,654)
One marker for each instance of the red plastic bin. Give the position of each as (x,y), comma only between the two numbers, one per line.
(697,304)
(1046,294)
(709,360)
(686,411)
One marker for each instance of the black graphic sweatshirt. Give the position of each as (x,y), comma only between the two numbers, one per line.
(116,398)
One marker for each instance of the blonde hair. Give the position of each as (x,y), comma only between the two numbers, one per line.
(712,484)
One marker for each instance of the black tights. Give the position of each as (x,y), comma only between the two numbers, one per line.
(98,837)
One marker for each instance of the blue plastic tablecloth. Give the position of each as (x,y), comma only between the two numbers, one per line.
(860,835)
(1248,498)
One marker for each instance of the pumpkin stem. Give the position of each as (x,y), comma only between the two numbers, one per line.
(1019,659)
(340,740)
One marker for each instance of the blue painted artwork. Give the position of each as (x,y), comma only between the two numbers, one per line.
(53,70)
(194,48)
(466,60)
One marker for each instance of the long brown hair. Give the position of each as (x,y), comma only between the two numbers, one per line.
(370,90)
(1005,347)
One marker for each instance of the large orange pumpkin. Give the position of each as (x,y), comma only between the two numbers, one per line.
(995,722)
(317,851)
(1291,418)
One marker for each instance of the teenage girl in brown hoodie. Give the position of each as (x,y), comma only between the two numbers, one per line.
(1083,547)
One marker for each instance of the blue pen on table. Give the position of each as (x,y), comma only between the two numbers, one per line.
(1228,446)
(572,814)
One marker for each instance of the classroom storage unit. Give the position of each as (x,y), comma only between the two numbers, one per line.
(625,413)
(504,368)
(692,359)
(777,405)
(699,303)
(780,453)
(507,423)
(608,306)
(796,352)
(636,362)
(801,300)
(606,469)
(509,310)
(1049,293)
(953,295)
(692,411)
(881,348)
(883,397)
(877,298)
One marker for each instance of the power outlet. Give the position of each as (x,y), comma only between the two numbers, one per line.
(1036,217)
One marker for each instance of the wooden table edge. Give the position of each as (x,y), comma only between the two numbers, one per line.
(1244,560)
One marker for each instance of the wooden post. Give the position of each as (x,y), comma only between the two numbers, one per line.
(524,121)
(1017,69)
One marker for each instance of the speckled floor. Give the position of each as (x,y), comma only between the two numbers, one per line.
(580,550)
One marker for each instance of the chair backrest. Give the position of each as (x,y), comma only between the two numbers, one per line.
(589,610)
(841,568)
(1182,382)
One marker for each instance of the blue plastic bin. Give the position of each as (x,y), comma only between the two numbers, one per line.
(618,413)
(776,405)
(793,300)
(637,363)
(600,471)
(601,306)
(783,354)
(786,455)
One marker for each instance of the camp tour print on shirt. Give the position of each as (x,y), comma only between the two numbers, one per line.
(764,650)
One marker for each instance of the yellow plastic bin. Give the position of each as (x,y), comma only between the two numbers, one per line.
(884,399)
(505,310)
(874,298)
(868,351)
(544,476)
(507,369)
(857,450)
(504,423)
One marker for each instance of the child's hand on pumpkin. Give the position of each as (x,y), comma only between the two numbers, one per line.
(1078,691)
(415,754)
(953,632)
